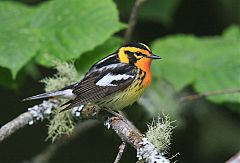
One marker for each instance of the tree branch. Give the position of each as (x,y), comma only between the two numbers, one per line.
(234,159)
(211,93)
(133,20)
(127,132)
(120,124)
(35,113)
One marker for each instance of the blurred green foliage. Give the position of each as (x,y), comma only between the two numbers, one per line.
(199,45)
(206,63)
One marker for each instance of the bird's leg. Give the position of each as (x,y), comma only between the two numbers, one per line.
(117,114)
(110,117)
(114,113)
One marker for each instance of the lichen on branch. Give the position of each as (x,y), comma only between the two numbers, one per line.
(61,123)
(66,74)
(160,131)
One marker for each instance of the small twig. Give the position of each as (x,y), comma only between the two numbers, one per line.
(120,152)
(211,93)
(234,159)
(133,20)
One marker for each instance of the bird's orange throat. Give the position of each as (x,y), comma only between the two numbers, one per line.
(144,64)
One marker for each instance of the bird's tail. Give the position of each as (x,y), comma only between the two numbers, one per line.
(67,93)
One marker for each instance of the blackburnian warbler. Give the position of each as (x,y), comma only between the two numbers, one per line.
(114,82)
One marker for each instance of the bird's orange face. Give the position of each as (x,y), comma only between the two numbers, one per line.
(137,54)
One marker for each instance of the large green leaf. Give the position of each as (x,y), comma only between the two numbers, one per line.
(13,15)
(70,28)
(17,42)
(208,64)
(58,29)
(6,79)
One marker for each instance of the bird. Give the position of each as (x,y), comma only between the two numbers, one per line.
(114,82)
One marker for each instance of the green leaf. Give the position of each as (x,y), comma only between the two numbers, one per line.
(69,28)
(110,46)
(16,49)
(207,64)
(232,32)
(17,42)
(57,29)
(8,82)
(13,15)
(172,50)
(6,79)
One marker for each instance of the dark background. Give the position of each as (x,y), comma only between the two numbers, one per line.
(210,133)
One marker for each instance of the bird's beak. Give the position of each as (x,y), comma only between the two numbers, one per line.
(153,56)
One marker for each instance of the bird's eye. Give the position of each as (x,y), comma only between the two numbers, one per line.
(138,53)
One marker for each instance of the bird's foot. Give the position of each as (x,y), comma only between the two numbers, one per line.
(76,111)
(116,114)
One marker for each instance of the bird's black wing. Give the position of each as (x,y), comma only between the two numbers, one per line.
(99,84)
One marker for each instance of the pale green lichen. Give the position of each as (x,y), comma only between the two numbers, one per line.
(62,122)
(66,75)
(159,132)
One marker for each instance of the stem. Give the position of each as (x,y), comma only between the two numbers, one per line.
(211,93)
(120,152)
(133,20)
